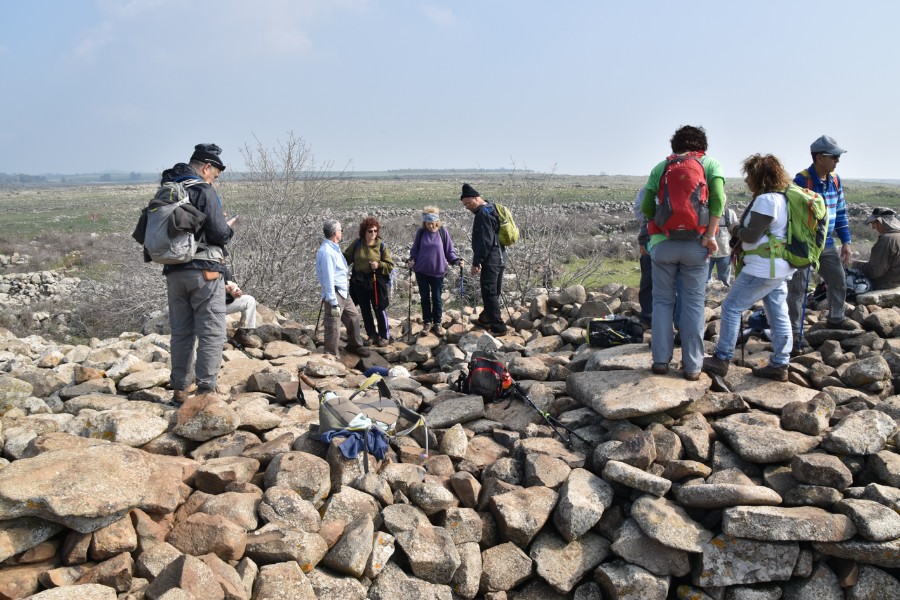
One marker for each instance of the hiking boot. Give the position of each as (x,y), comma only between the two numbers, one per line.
(360,351)
(499,329)
(660,368)
(691,376)
(800,346)
(844,324)
(367,342)
(245,338)
(382,342)
(715,365)
(179,396)
(438,330)
(773,372)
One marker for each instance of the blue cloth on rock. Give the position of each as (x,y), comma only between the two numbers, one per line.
(376,441)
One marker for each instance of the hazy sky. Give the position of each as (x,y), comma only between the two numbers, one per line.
(579,86)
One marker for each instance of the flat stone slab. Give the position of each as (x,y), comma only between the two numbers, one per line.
(722,495)
(727,560)
(881,554)
(628,394)
(764,444)
(455,410)
(782,524)
(669,524)
(771,395)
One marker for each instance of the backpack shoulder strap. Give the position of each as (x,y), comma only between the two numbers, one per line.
(807,178)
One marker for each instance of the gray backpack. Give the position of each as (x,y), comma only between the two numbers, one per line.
(165,239)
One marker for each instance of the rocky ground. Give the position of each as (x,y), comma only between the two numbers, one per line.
(681,489)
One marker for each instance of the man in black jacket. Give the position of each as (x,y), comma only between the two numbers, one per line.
(196,289)
(488,257)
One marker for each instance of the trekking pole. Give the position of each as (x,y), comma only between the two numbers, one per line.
(409,305)
(316,330)
(554,424)
(375,288)
(803,313)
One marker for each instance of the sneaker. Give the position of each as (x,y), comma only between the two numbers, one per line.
(245,338)
(691,376)
(773,372)
(715,365)
(660,368)
(357,350)
(438,330)
(382,342)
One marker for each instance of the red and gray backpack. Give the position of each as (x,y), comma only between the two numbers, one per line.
(682,202)
(487,377)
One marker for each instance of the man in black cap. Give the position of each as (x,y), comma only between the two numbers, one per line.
(821,178)
(488,257)
(196,289)
(883,266)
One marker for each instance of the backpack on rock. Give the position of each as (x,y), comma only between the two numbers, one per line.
(487,377)
(613,331)
(682,202)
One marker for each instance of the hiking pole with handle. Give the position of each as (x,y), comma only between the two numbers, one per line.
(799,348)
(462,292)
(518,392)
(316,330)
(409,305)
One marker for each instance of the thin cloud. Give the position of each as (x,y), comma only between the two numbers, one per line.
(236,31)
(440,15)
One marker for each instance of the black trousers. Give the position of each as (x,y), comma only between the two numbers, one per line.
(491,282)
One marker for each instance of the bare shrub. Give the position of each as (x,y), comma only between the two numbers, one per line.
(548,238)
(128,293)
(286,197)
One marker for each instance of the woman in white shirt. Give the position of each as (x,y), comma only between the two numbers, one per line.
(761,277)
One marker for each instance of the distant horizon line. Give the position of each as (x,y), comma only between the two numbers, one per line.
(125,176)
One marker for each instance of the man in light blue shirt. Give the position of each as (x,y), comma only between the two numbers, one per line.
(333,275)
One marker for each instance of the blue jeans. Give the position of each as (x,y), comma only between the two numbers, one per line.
(744,293)
(722,265)
(680,264)
(430,291)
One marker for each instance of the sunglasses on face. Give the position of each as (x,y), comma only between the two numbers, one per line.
(371,231)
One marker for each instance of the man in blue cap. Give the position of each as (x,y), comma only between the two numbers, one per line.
(821,178)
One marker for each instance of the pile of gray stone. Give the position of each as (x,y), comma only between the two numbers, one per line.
(25,289)
(656,487)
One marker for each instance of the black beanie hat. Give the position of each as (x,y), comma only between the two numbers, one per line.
(208,153)
(469,192)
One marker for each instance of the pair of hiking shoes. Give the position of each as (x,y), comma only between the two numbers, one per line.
(500,329)
(715,366)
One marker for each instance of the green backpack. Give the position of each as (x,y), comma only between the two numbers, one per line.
(509,231)
(807,227)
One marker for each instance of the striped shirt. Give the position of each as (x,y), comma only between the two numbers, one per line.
(833,192)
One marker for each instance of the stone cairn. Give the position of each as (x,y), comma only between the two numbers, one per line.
(761,491)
